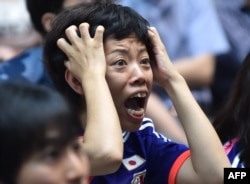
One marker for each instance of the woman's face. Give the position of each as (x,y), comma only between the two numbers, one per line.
(129,76)
(55,165)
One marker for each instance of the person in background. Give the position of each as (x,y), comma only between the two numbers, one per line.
(24,62)
(235,19)
(27,66)
(16,31)
(232,122)
(39,136)
(43,12)
(115,45)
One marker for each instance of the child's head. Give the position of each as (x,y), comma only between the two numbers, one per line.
(119,22)
(39,8)
(38,131)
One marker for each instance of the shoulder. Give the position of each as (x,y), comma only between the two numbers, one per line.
(146,135)
(148,128)
(233,150)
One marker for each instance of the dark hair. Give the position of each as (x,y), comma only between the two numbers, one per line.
(119,23)
(37,8)
(26,113)
(233,120)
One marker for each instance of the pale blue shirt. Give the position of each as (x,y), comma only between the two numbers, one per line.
(187,27)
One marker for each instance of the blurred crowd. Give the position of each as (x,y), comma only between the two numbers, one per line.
(208,42)
(16,30)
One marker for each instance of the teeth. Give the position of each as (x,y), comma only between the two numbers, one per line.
(136,112)
(140,95)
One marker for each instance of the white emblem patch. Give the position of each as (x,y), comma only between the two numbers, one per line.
(133,162)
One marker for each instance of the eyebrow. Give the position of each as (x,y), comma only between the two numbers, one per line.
(126,51)
(58,142)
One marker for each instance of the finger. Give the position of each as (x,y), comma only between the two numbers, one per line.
(84,30)
(67,65)
(99,33)
(153,35)
(71,33)
(64,46)
(155,40)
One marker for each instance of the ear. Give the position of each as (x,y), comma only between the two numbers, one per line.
(73,82)
(47,20)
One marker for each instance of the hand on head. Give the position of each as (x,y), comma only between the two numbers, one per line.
(163,68)
(87,52)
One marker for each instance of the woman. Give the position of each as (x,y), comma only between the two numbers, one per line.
(233,122)
(39,137)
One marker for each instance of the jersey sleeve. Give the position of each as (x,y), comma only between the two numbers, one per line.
(177,165)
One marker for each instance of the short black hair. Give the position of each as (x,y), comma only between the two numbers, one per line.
(37,8)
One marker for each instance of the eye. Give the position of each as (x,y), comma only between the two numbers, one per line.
(145,61)
(120,63)
(76,146)
(52,154)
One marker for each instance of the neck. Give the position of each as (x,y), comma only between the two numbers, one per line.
(83,118)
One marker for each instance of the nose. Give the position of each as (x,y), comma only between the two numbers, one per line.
(77,167)
(138,75)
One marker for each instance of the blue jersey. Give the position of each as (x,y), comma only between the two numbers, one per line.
(233,149)
(148,157)
(26,68)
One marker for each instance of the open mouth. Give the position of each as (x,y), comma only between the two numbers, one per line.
(135,105)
